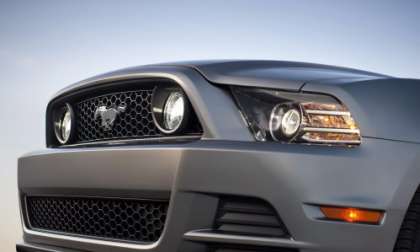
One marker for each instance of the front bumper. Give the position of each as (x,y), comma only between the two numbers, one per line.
(379,174)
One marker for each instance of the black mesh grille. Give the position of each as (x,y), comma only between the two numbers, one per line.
(130,220)
(135,122)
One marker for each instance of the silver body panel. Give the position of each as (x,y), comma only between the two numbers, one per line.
(286,176)
(383,173)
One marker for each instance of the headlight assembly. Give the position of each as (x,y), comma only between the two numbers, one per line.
(63,123)
(296,117)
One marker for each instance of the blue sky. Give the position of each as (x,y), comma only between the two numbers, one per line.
(84,37)
(46,45)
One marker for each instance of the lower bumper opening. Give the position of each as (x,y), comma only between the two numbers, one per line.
(127,220)
(233,248)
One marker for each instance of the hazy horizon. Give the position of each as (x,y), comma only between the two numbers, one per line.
(47,45)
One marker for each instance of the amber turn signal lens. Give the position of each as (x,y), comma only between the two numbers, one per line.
(353,215)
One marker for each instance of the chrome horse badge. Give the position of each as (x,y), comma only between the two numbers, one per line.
(108,115)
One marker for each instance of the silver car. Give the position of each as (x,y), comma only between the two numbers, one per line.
(227,156)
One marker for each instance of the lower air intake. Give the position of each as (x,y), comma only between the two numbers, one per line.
(250,249)
(249,216)
(115,219)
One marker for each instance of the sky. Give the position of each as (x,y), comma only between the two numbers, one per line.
(47,45)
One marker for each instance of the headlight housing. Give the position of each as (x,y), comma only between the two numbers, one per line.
(274,115)
(63,119)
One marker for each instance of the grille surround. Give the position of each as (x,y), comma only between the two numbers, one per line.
(127,220)
(143,132)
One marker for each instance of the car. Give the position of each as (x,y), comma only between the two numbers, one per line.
(227,156)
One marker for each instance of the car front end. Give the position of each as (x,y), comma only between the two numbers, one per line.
(224,156)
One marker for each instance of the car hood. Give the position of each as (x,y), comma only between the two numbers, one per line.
(284,75)
(275,74)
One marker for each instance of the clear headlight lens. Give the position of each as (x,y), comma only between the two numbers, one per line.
(63,122)
(296,117)
(173,112)
(285,121)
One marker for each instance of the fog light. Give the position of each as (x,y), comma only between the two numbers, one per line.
(63,123)
(354,215)
(173,112)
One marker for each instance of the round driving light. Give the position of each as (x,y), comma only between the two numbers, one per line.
(173,112)
(63,123)
(171,109)
(285,122)
(66,126)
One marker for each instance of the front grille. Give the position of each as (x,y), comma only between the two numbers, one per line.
(135,122)
(127,220)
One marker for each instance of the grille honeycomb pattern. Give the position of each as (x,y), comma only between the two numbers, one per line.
(135,122)
(129,220)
